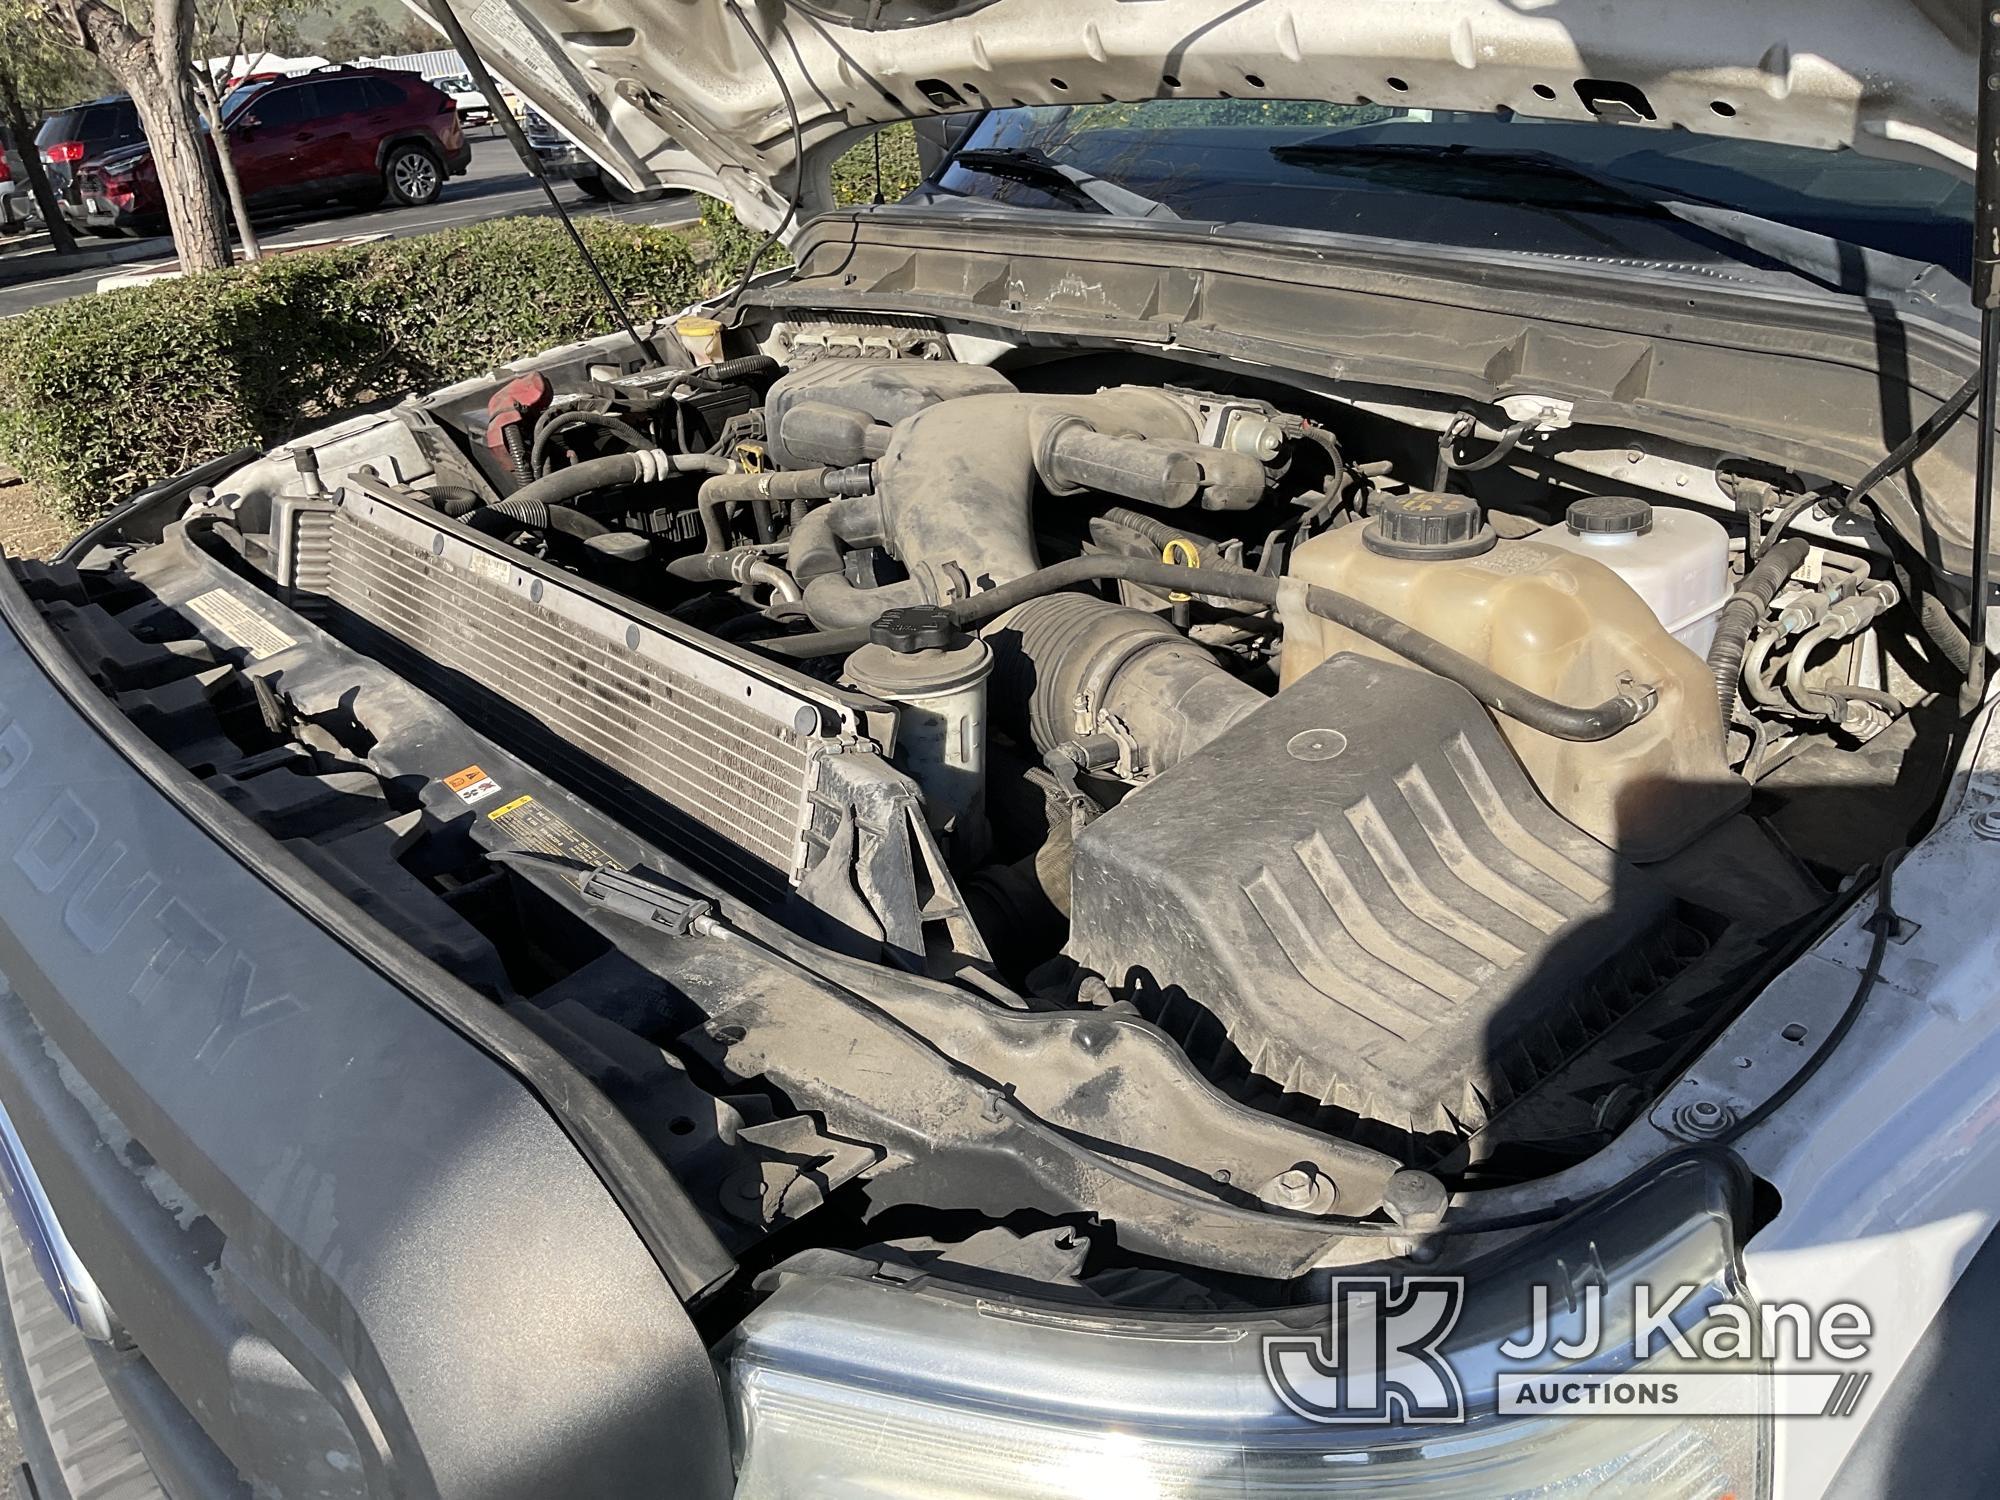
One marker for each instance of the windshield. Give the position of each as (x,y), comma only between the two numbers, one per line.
(1410,174)
(236,98)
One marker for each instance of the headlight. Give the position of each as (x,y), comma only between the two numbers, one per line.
(849,1388)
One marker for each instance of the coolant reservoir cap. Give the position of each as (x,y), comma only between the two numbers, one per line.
(913,628)
(1428,525)
(1610,515)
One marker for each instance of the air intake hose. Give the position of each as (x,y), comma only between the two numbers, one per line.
(1066,656)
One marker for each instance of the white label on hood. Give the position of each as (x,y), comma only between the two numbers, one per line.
(500,23)
(237,623)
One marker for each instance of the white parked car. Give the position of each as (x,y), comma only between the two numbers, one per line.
(473,107)
(17,200)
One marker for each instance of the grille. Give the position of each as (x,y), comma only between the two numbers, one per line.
(709,758)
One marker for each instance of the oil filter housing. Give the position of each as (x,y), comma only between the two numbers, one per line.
(935,675)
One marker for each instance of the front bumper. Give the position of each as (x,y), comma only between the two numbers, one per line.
(94,212)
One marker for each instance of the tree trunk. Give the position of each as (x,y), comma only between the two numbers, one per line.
(194,210)
(153,70)
(225,160)
(31,163)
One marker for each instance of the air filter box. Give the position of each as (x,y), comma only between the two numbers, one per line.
(1355,895)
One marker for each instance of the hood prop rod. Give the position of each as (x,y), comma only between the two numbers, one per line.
(1985,296)
(511,128)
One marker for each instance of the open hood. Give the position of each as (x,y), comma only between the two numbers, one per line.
(692,93)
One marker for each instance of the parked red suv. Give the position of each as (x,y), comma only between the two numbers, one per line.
(355,134)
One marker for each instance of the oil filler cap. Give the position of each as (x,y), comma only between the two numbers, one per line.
(1610,515)
(914,628)
(1428,526)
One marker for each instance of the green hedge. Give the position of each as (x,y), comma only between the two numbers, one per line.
(103,393)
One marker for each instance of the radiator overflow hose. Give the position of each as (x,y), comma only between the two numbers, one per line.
(1561,720)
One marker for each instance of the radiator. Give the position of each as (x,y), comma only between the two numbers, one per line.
(713,755)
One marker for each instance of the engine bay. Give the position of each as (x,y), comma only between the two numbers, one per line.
(1148,829)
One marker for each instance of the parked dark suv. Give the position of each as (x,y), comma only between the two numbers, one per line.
(83,132)
(358,135)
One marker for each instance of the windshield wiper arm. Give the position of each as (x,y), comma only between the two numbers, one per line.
(1026,164)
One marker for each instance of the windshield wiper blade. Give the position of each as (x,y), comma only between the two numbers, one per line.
(1836,264)
(1025,164)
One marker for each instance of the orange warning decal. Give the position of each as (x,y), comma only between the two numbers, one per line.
(471,784)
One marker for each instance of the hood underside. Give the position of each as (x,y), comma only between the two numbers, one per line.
(693,93)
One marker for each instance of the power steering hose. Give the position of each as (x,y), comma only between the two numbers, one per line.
(1502,695)
(1743,611)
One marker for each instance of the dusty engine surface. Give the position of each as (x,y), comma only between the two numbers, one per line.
(1357,891)
(1116,693)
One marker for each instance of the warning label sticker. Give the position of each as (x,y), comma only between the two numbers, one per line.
(532,826)
(471,785)
(240,624)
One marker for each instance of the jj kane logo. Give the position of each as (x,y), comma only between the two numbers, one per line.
(1686,1351)
(1381,1360)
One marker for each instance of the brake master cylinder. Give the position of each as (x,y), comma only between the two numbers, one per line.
(918,659)
(1557,622)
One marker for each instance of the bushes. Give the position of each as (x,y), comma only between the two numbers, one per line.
(101,394)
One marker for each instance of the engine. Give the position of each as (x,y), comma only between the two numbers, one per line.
(1386,806)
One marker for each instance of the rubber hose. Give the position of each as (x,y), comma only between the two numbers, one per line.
(1152,529)
(815,561)
(1940,626)
(1563,721)
(1336,478)
(536,515)
(730,487)
(742,566)
(615,469)
(1920,441)
(1743,612)
(553,426)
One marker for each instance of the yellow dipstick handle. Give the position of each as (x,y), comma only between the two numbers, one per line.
(1181,553)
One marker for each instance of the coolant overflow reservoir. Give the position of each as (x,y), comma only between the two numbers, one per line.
(1559,622)
(1676,560)
(935,675)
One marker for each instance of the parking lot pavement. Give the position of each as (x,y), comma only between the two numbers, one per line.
(495,186)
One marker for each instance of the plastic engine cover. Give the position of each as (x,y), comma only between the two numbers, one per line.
(1360,885)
